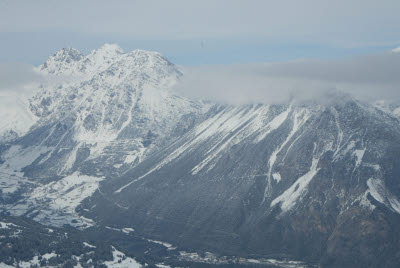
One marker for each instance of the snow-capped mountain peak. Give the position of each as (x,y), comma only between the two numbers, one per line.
(113,98)
(71,62)
(61,61)
(104,73)
(68,55)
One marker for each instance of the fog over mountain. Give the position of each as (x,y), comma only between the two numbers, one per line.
(16,77)
(368,78)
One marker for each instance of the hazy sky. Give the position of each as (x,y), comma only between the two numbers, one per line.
(231,51)
(201,32)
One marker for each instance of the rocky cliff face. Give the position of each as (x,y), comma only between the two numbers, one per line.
(114,145)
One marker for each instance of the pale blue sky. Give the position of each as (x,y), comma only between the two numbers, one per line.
(201,32)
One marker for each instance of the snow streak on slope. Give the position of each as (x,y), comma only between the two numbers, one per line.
(359,156)
(300,116)
(232,125)
(223,122)
(274,124)
(289,198)
(233,129)
(380,193)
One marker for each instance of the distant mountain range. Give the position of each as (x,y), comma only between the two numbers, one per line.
(110,143)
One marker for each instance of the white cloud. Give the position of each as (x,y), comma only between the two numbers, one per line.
(368,78)
(396,50)
(18,78)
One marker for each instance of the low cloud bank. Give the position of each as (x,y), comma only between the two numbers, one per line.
(368,78)
(18,78)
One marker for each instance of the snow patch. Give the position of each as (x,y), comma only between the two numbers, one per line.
(127,230)
(160,265)
(35,261)
(120,260)
(165,244)
(359,156)
(6,225)
(86,244)
(56,202)
(3,265)
(135,156)
(15,159)
(277,177)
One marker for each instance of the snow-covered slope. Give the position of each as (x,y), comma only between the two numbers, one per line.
(122,100)
(266,179)
(106,113)
(125,107)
